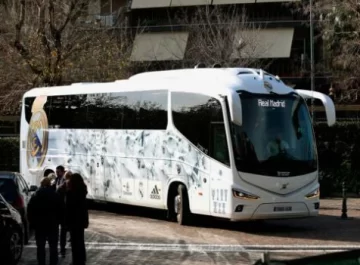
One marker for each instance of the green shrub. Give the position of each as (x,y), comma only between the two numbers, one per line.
(339,156)
(9,153)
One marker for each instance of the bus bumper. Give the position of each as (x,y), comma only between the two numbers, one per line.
(243,210)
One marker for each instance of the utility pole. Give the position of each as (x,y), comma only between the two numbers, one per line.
(312,57)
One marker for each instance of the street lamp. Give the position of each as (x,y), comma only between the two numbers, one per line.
(312,57)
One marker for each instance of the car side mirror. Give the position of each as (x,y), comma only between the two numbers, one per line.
(33,188)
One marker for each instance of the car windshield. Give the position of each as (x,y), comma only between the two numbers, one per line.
(276,137)
(8,189)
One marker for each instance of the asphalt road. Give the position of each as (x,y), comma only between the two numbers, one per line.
(120,234)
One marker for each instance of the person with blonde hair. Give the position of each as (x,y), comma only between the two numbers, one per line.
(67,175)
(52,178)
(45,182)
(45,212)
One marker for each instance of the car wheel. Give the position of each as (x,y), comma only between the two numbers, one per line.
(15,247)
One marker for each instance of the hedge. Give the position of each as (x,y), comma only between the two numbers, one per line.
(338,150)
(339,157)
(9,153)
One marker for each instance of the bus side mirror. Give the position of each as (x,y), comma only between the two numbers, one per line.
(235,108)
(326,100)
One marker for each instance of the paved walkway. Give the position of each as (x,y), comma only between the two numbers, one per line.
(132,235)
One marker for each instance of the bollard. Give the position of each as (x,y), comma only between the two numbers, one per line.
(344,206)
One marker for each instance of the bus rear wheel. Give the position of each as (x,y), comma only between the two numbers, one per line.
(181,206)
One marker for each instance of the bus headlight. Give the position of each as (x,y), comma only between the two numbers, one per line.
(313,194)
(244,195)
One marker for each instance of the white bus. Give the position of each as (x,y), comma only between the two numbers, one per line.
(233,143)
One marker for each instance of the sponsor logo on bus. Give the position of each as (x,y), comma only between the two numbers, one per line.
(37,139)
(267,85)
(126,190)
(141,189)
(271,103)
(155,193)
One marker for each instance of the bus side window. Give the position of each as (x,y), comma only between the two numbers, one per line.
(193,116)
(218,145)
(28,105)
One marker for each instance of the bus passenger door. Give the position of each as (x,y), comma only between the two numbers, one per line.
(220,176)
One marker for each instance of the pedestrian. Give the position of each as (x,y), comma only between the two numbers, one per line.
(61,190)
(60,172)
(45,212)
(77,217)
(52,178)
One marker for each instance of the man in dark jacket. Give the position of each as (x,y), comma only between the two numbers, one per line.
(59,180)
(77,217)
(45,212)
(58,185)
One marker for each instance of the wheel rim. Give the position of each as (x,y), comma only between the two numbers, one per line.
(15,245)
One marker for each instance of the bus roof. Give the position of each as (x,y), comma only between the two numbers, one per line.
(210,81)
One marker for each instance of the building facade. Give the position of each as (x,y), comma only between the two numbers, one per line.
(283,35)
(162,41)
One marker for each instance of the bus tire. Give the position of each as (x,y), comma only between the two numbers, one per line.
(182,206)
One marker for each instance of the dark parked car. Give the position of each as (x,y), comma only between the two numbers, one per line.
(11,233)
(16,191)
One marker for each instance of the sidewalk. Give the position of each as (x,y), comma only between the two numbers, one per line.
(336,204)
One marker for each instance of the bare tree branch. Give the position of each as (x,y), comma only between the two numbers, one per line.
(45,43)
(223,36)
(338,24)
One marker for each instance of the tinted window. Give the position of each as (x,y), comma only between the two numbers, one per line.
(77,110)
(98,111)
(199,118)
(153,110)
(8,189)
(123,110)
(28,105)
(218,146)
(114,110)
(115,107)
(130,106)
(57,111)
(20,185)
(276,136)
(22,182)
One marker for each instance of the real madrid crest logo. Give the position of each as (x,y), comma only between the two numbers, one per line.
(37,140)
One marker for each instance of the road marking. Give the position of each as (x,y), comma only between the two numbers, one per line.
(213,248)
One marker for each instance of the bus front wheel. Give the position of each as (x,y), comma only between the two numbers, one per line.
(182,206)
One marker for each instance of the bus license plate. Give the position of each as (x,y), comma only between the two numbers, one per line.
(283,209)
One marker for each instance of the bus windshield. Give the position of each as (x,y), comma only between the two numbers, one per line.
(276,138)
